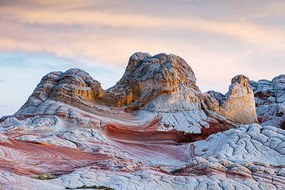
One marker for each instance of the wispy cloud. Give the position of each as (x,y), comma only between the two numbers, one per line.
(94,34)
(248,32)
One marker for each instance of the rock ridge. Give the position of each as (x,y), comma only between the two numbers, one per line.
(160,86)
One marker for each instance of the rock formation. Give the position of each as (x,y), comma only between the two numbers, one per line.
(154,129)
(237,105)
(150,78)
(270,100)
(160,88)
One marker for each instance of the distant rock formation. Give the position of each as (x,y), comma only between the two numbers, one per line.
(270,100)
(237,105)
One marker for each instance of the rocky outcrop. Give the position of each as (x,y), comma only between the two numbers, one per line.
(74,87)
(238,104)
(161,86)
(270,100)
(149,77)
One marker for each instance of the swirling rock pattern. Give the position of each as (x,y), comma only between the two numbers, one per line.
(153,130)
(30,158)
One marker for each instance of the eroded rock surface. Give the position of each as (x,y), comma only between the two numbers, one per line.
(155,77)
(153,130)
(237,105)
(247,157)
(270,100)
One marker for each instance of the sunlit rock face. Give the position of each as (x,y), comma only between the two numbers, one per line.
(74,87)
(154,129)
(149,80)
(270,100)
(238,104)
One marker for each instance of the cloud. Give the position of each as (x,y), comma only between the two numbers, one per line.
(219,39)
(110,37)
(242,30)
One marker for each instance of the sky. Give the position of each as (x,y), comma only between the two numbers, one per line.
(218,39)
